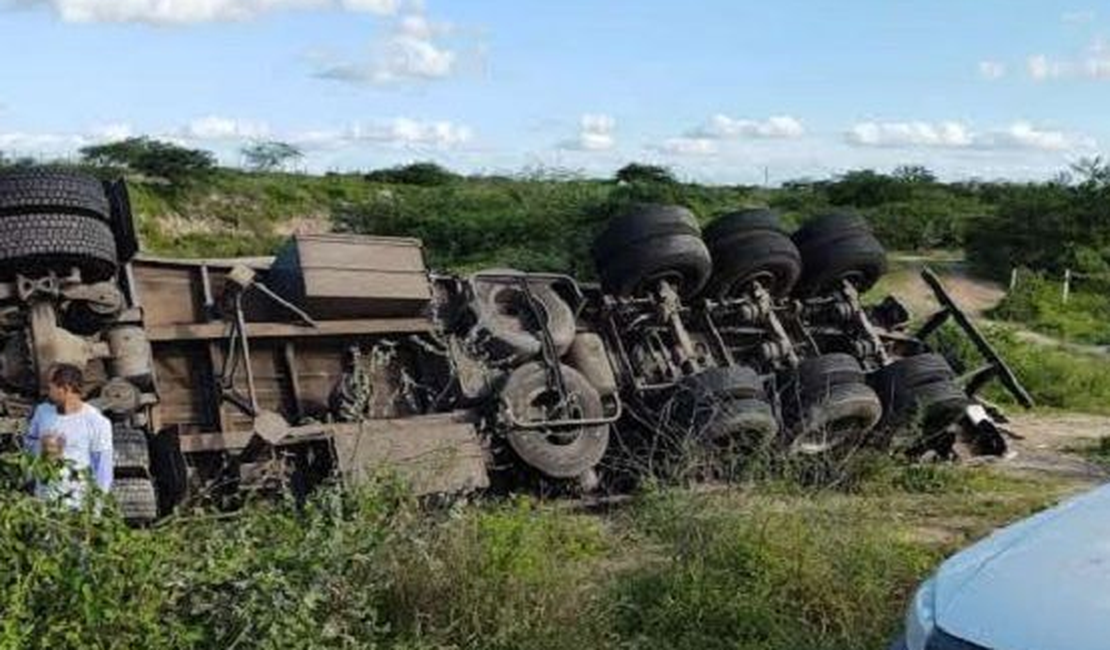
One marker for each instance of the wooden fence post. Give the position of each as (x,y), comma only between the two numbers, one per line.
(1067,284)
(1013,278)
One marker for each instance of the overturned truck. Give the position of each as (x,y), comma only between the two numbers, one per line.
(343,356)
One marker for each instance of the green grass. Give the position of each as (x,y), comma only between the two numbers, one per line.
(1056,378)
(1038,303)
(770,567)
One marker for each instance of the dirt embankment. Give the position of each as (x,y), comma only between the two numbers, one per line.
(1053,443)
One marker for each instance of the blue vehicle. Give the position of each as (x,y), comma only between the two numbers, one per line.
(1040,584)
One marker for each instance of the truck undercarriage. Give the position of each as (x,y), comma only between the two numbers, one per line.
(343,357)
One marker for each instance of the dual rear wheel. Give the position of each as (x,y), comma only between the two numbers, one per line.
(57,221)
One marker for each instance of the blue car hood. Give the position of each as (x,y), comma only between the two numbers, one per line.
(1040,584)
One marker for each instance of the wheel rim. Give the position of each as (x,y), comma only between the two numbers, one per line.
(542,404)
(677,280)
(742,284)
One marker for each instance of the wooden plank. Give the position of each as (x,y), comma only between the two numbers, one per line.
(432,454)
(436,453)
(360,327)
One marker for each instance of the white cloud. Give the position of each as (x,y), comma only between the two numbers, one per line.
(401,132)
(408,132)
(723,126)
(1093,63)
(222,128)
(684,146)
(956,135)
(902,134)
(183,12)
(1023,135)
(992,70)
(595,133)
(1040,68)
(412,50)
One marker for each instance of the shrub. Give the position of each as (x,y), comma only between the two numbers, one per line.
(1038,303)
(641,173)
(155,158)
(424,174)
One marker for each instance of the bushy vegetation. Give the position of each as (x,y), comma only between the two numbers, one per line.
(777,567)
(1049,227)
(1038,302)
(156,159)
(541,221)
(1057,377)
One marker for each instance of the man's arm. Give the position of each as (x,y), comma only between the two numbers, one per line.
(100,454)
(34,431)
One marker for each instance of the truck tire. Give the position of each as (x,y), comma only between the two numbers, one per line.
(747,246)
(817,375)
(558,453)
(644,222)
(123,222)
(841,417)
(682,260)
(940,404)
(129,449)
(917,421)
(53,191)
(739,382)
(837,247)
(743,424)
(651,243)
(896,382)
(43,242)
(502,313)
(136,499)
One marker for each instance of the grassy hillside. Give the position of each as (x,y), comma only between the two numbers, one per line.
(774,567)
(534,222)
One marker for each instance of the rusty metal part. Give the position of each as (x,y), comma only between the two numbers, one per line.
(588,356)
(271,427)
(118,396)
(669,308)
(131,355)
(102,298)
(51,344)
(863,322)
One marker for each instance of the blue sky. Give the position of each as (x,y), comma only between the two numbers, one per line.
(721,91)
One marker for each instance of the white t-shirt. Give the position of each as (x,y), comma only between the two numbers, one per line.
(85,432)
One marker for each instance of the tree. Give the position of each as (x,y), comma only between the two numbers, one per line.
(271,155)
(427,174)
(864,188)
(166,160)
(917,174)
(640,173)
(1092,171)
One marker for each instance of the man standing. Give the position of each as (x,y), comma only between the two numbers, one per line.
(77,430)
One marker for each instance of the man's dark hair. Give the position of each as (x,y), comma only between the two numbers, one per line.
(67,375)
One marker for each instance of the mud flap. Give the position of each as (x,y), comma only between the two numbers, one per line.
(433,454)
